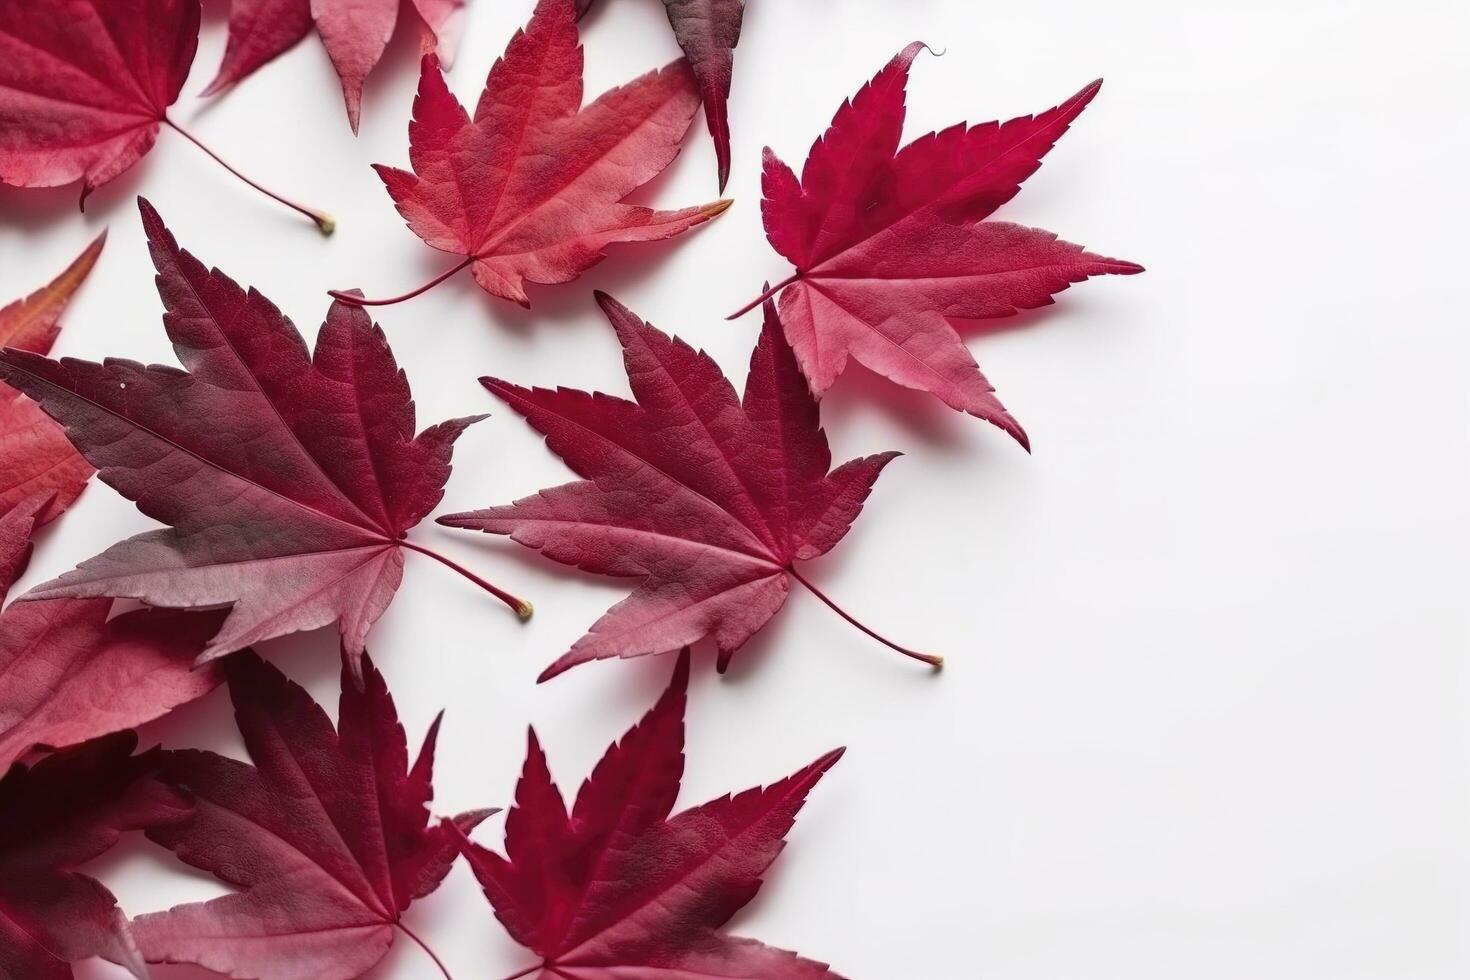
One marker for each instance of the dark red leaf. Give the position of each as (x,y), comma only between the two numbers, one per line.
(288,482)
(708,501)
(619,888)
(327,837)
(54,817)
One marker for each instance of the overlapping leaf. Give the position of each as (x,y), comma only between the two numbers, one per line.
(708,501)
(619,887)
(708,31)
(531,187)
(327,836)
(288,482)
(890,245)
(54,817)
(67,674)
(354,32)
(39,462)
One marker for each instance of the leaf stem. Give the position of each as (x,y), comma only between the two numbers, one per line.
(928,658)
(526,972)
(521,606)
(323,220)
(347,297)
(425,947)
(770,291)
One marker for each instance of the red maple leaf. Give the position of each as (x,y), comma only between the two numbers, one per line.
(39,462)
(86,85)
(618,887)
(708,500)
(327,835)
(531,188)
(55,816)
(708,31)
(289,482)
(71,675)
(354,32)
(891,246)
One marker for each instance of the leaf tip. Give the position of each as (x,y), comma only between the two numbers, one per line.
(831,758)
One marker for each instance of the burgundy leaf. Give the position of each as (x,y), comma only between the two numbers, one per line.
(620,888)
(54,817)
(327,837)
(288,482)
(708,501)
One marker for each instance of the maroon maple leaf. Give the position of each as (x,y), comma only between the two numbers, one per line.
(328,835)
(354,32)
(709,501)
(54,817)
(531,188)
(891,246)
(39,462)
(86,85)
(289,482)
(619,888)
(708,31)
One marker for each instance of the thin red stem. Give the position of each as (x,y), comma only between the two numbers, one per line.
(425,947)
(521,606)
(928,658)
(770,291)
(525,973)
(347,297)
(323,220)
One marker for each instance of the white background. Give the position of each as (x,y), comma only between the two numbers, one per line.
(1205,709)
